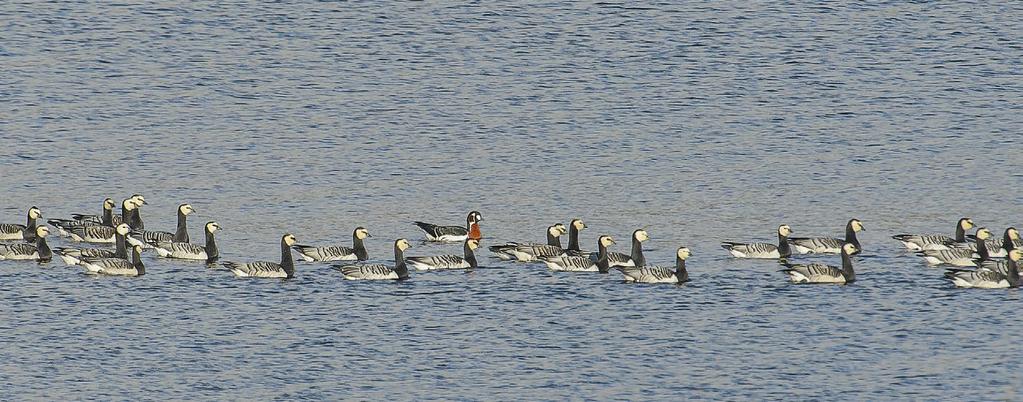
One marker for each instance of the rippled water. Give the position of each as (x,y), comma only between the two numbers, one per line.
(700,122)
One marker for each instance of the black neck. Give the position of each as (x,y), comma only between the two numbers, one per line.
(1007,242)
(850,236)
(602,264)
(680,270)
(982,249)
(108,216)
(212,252)
(287,261)
(847,267)
(181,234)
(573,238)
(399,263)
(136,216)
(126,216)
(360,248)
(470,256)
(119,248)
(30,227)
(783,246)
(136,260)
(637,252)
(1013,273)
(44,249)
(960,233)
(553,240)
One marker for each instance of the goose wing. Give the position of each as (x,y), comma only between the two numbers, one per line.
(918,242)
(438,231)
(569,263)
(71,256)
(437,262)
(18,251)
(806,245)
(325,253)
(977,279)
(185,251)
(961,257)
(257,269)
(146,238)
(367,271)
(108,266)
(814,273)
(11,231)
(751,250)
(92,234)
(649,274)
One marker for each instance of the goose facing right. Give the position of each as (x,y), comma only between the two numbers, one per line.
(39,251)
(918,242)
(821,273)
(188,251)
(27,232)
(116,266)
(635,259)
(762,250)
(525,252)
(437,262)
(337,253)
(72,256)
(829,245)
(957,256)
(267,269)
(144,237)
(379,271)
(989,279)
(655,274)
(454,233)
(573,263)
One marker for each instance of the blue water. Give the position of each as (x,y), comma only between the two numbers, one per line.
(700,122)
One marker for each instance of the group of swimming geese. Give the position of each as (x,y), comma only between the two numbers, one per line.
(976,258)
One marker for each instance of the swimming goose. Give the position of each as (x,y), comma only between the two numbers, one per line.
(454,233)
(436,262)
(267,269)
(135,220)
(636,259)
(337,253)
(379,271)
(26,232)
(574,228)
(106,218)
(116,266)
(828,245)
(960,257)
(821,273)
(936,242)
(145,237)
(762,250)
(528,251)
(100,233)
(188,251)
(581,263)
(655,274)
(39,251)
(989,279)
(71,256)
(997,247)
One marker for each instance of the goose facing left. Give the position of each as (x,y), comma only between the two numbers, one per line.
(762,250)
(39,251)
(337,253)
(267,269)
(829,245)
(656,274)
(436,262)
(821,273)
(27,232)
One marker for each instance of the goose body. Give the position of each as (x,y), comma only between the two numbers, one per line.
(572,263)
(267,269)
(987,279)
(762,250)
(454,233)
(337,253)
(146,238)
(656,274)
(72,256)
(188,251)
(960,257)
(39,251)
(379,271)
(821,273)
(828,245)
(26,232)
(436,262)
(525,252)
(917,242)
(116,266)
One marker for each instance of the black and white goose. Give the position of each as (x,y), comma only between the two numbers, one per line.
(529,251)
(436,262)
(828,245)
(575,263)
(379,271)
(135,218)
(960,257)
(574,228)
(636,259)
(188,251)
(997,247)
(337,253)
(918,242)
(72,256)
(762,250)
(101,233)
(821,273)
(107,216)
(145,238)
(39,251)
(655,274)
(267,269)
(989,279)
(26,232)
(454,233)
(116,266)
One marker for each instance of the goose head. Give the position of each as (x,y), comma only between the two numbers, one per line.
(1013,233)
(856,225)
(640,235)
(557,230)
(361,233)
(472,244)
(966,223)
(474,217)
(578,224)
(186,209)
(123,229)
(402,244)
(42,231)
(129,204)
(849,248)
(139,199)
(108,203)
(212,227)
(1015,254)
(289,239)
(605,241)
(683,253)
(983,234)
(784,230)
(35,213)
